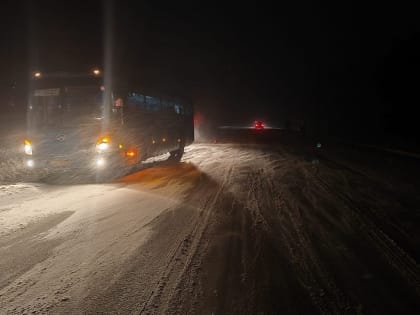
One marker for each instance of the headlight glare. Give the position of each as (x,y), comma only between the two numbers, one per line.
(100,162)
(102,146)
(28,147)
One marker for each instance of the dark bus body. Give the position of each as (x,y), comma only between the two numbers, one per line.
(74,122)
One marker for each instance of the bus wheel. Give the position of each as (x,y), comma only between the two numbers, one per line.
(176,155)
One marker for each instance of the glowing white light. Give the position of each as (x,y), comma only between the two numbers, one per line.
(30,163)
(28,149)
(37,74)
(96,72)
(100,162)
(102,146)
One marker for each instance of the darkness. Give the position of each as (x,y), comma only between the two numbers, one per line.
(347,69)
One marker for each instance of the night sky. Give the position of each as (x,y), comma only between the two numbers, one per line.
(345,68)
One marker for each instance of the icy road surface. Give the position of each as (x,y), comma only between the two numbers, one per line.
(233,229)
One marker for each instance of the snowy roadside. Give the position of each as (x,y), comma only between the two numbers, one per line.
(11,159)
(77,235)
(22,203)
(400,152)
(11,168)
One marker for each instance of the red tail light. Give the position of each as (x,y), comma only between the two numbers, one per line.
(259,125)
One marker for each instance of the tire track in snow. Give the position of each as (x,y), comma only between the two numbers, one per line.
(180,271)
(395,255)
(264,194)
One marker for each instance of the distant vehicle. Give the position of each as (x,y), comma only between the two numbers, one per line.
(74,122)
(259,124)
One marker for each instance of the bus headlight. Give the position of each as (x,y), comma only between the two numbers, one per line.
(30,163)
(103,144)
(28,147)
(100,162)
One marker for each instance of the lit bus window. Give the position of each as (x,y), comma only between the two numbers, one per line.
(136,100)
(179,109)
(153,103)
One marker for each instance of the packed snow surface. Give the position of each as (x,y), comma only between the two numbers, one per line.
(232,229)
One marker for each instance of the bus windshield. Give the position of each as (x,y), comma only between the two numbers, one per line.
(66,107)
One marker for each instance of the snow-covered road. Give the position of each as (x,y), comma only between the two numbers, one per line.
(233,229)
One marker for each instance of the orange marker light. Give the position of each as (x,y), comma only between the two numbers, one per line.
(130,153)
(105,139)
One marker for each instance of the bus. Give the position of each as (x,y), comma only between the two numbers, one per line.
(75,122)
